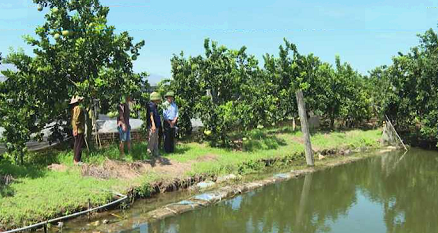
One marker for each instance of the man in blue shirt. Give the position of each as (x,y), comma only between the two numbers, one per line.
(153,123)
(170,114)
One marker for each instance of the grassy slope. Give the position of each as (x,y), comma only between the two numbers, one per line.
(39,193)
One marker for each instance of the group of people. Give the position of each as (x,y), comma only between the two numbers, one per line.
(158,125)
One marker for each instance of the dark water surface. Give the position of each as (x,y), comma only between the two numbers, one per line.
(389,193)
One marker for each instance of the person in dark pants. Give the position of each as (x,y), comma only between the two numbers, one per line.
(78,126)
(160,129)
(160,137)
(153,124)
(170,114)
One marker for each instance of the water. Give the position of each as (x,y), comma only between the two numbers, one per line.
(389,193)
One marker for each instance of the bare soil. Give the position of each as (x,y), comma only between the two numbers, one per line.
(207,158)
(131,170)
(58,167)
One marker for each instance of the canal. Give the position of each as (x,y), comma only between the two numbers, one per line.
(394,192)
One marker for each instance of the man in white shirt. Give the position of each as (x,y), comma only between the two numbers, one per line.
(170,114)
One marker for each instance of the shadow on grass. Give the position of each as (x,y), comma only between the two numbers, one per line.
(179,150)
(267,143)
(9,173)
(6,191)
(263,140)
(282,130)
(161,160)
(44,158)
(139,151)
(16,171)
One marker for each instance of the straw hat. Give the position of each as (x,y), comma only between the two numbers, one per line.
(170,94)
(76,99)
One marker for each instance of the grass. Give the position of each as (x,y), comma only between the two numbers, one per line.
(39,193)
(50,195)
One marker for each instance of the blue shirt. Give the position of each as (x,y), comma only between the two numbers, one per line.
(170,111)
(153,109)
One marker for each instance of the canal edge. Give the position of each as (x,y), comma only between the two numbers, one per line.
(227,192)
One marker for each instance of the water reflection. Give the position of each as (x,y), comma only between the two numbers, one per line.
(391,193)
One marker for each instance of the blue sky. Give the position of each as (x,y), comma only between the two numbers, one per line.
(366,33)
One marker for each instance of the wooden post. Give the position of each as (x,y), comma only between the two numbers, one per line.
(305,127)
(395,131)
(89,207)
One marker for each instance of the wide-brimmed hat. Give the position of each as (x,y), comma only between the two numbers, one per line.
(76,99)
(155,96)
(169,94)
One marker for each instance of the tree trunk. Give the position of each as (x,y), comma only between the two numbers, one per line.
(94,124)
(21,158)
(294,125)
(88,128)
(332,121)
(305,127)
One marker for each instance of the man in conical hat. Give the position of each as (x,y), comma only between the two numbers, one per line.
(78,126)
(153,123)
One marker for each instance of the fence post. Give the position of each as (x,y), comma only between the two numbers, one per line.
(89,207)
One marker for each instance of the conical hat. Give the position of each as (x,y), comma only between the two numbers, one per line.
(170,94)
(155,96)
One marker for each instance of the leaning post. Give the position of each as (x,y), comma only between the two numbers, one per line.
(305,127)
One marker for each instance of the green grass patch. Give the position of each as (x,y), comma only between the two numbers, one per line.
(347,139)
(53,193)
